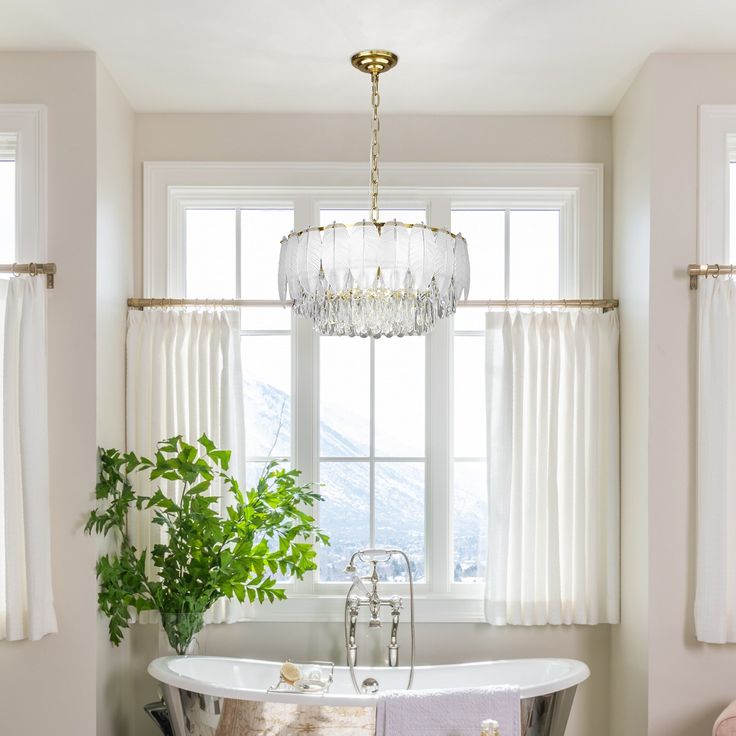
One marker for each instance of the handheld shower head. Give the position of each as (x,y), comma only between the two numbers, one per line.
(371,555)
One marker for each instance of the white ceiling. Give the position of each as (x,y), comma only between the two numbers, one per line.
(457,56)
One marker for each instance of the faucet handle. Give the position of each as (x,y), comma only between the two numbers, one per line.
(396,603)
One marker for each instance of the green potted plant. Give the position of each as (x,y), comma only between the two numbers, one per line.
(204,555)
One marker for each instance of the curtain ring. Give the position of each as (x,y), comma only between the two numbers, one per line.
(718,271)
(14,270)
(33,269)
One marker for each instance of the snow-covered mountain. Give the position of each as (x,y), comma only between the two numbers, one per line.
(345,512)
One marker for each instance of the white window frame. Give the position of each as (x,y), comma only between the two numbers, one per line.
(27,125)
(717,149)
(575,189)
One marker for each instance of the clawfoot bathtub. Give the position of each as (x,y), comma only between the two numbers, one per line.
(222,696)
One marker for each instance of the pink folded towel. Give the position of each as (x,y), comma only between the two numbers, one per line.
(447,712)
(726,723)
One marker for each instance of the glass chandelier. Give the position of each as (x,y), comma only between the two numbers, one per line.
(373,278)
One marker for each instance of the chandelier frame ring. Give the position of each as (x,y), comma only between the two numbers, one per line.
(379,227)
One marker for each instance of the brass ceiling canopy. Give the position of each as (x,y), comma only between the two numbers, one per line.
(374,62)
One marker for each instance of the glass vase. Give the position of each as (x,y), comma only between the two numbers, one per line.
(181,630)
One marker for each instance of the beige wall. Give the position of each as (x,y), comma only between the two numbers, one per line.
(48,686)
(115,137)
(689,683)
(631,253)
(404,138)
(655,218)
(173,137)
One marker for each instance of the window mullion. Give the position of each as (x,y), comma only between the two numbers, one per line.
(238,255)
(305,393)
(438,468)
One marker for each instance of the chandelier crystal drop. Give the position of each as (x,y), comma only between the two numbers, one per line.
(374,279)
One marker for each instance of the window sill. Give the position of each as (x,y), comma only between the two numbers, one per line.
(330,608)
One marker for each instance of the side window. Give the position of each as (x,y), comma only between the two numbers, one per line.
(7,198)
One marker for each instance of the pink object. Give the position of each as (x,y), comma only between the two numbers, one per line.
(725,724)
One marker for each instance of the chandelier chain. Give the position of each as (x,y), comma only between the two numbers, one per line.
(375,146)
(374,279)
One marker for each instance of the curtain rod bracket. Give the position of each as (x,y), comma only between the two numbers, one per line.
(705,270)
(32,269)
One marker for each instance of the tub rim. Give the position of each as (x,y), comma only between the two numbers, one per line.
(159,669)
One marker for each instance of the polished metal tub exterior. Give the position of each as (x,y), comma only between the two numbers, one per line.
(222,696)
(546,715)
(194,714)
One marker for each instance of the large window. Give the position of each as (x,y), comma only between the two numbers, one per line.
(393,429)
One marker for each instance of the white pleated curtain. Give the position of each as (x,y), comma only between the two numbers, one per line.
(26,597)
(185,378)
(553,467)
(715,592)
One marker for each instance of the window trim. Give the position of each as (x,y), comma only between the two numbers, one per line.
(576,189)
(168,187)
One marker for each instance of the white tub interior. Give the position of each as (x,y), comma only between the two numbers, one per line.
(250,679)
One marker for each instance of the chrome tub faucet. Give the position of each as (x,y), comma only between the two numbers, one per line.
(364,592)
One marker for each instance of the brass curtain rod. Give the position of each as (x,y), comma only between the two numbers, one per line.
(704,270)
(604,304)
(32,269)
